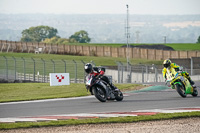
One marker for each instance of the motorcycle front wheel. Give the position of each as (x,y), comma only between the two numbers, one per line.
(180,89)
(100,94)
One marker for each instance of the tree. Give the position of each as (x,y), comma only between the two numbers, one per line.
(198,40)
(81,37)
(38,33)
(56,40)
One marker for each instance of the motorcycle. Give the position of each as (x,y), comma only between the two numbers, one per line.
(102,90)
(180,83)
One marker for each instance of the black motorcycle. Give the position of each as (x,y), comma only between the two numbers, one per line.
(102,90)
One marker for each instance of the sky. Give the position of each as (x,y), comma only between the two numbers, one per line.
(154,7)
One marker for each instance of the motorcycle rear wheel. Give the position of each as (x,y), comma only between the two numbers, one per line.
(119,96)
(181,91)
(195,92)
(100,94)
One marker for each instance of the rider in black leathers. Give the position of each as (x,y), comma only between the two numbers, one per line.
(99,72)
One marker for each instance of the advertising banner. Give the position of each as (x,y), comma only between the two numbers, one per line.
(57,79)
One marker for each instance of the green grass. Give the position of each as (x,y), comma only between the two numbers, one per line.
(99,61)
(34,91)
(185,47)
(175,46)
(129,119)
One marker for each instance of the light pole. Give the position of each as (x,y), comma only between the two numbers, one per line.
(137,36)
(127,37)
(127,49)
(165,39)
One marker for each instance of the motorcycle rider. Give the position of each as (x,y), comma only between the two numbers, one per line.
(167,64)
(99,72)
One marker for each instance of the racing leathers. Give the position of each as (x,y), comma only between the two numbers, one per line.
(99,72)
(177,68)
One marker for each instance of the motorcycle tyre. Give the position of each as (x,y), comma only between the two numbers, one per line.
(195,93)
(179,90)
(96,93)
(119,96)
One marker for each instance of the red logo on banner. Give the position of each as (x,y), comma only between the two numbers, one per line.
(60,79)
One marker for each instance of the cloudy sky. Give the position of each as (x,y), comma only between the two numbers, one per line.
(178,7)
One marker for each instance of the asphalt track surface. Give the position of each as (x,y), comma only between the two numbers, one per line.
(165,98)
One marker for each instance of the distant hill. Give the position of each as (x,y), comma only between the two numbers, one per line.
(104,28)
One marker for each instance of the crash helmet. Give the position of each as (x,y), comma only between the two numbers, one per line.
(167,63)
(88,68)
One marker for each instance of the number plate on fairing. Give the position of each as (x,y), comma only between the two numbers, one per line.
(182,78)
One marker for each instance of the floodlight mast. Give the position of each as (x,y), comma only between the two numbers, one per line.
(165,39)
(127,37)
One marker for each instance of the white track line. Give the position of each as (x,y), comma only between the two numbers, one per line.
(48,100)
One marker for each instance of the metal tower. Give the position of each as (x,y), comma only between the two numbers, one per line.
(127,28)
(127,36)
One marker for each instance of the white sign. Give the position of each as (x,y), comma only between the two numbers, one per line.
(57,79)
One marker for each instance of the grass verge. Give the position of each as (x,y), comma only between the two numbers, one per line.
(99,61)
(35,91)
(129,119)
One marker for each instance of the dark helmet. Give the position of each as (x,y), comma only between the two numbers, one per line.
(167,63)
(88,68)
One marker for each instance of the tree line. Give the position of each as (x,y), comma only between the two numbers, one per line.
(48,34)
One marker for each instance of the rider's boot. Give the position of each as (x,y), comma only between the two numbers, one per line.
(192,82)
(114,88)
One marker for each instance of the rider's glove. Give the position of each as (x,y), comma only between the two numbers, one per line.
(180,71)
(180,68)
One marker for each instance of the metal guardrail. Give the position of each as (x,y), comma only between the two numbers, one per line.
(142,73)
(19,69)
(37,70)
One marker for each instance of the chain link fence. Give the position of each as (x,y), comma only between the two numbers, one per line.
(15,69)
(127,73)
(19,69)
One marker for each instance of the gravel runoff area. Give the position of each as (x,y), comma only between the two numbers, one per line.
(189,125)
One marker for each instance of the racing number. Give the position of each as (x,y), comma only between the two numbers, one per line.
(172,75)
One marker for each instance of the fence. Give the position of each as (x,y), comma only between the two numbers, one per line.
(127,73)
(37,70)
(104,51)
